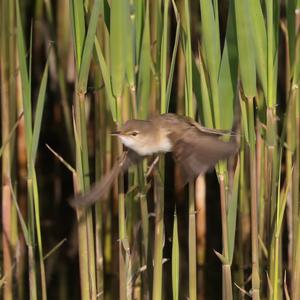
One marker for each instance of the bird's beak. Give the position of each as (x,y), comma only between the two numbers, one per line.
(115,133)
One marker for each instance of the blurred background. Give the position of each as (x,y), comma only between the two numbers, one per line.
(71,72)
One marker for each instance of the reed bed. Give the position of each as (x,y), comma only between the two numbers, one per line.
(72,71)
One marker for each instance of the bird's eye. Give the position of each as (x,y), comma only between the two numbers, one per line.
(134,133)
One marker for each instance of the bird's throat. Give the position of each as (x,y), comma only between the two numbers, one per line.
(148,144)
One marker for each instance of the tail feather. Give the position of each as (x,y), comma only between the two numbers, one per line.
(101,189)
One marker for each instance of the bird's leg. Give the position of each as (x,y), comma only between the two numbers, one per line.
(152,166)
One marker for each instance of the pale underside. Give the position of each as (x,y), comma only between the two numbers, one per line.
(149,147)
(195,148)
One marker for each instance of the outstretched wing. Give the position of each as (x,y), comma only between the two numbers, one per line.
(101,189)
(196,152)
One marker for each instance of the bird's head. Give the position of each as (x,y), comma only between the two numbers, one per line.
(136,135)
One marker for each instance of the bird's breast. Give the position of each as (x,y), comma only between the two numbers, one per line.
(164,145)
(161,145)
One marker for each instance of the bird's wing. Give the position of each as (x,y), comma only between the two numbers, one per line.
(100,190)
(215,132)
(173,120)
(197,152)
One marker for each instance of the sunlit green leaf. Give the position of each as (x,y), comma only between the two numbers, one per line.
(39,114)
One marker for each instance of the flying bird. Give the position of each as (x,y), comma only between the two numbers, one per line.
(194,147)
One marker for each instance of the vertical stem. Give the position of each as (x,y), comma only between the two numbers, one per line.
(83,254)
(122,236)
(295,209)
(85,221)
(243,216)
(82,245)
(7,89)
(270,57)
(272,186)
(6,237)
(296,273)
(32,274)
(145,231)
(159,232)
(121,218)
(192,244)
(254,212)
(38,232)
(200,193)
(224,215)
(99,170)
(254,230)
(99,251)
(31,255)
(226,270)
(144,210)
(86,183)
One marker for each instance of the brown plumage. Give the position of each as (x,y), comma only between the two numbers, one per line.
(195,148)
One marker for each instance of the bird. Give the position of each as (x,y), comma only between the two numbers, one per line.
(195,148)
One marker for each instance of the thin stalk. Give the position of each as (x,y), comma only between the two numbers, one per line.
(190,111)
(295,96)
(239,277)
(32,138)
(295,205)
(145,230)
(122,237)
(163,63)
(272,173)
(38,233)
(117,49)
(192,244)
(85,182)
(290,139)
(83,44)
(271,133)
(224,215)
(254,206)
(277,237)
(83,254)
(31,256)
(82,235)
(8,89)
(270,56)
(144,209)
(226,270)
(122,220)
(6,237)
(99,171)
(99,251)
(260,180)
(175,259)
(200,197)
(6,159)
(296,273)
(159,232)
(32,274)
(82,245)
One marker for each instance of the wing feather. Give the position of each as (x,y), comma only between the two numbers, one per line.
(196,152)
(101,189)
